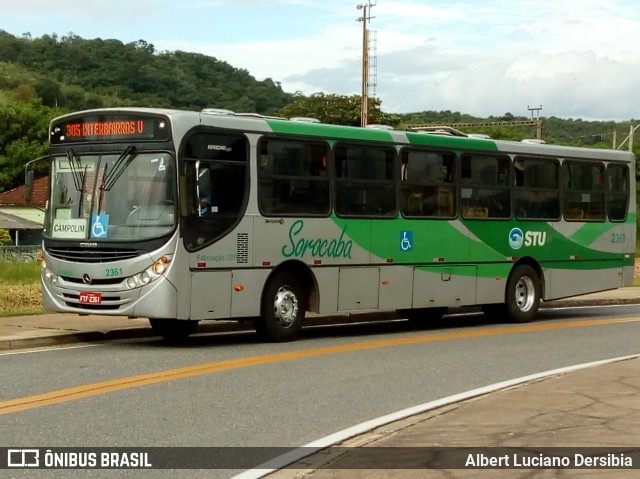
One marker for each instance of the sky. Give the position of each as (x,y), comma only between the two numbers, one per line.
(571,58)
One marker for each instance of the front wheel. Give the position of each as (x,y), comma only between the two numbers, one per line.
(523,294)
(173,329)
(283,308)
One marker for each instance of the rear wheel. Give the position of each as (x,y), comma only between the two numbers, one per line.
(523,294)
(173,329)
(283,308)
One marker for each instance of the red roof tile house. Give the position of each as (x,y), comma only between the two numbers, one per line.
(24,220)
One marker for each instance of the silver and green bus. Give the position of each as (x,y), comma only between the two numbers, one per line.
(182,217)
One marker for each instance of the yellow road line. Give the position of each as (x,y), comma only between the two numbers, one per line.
(103,387)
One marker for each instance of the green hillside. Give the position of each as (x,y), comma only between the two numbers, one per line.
(43,77)
(70,72)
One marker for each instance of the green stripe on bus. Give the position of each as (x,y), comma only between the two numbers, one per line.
(329,131)
(444,141)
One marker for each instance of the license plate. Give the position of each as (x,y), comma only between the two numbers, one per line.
(90,298)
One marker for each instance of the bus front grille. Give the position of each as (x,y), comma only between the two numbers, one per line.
(94,255)
(94,282)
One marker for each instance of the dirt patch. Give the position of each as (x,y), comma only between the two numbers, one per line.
(20,299)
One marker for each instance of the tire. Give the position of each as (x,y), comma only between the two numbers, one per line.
(173,329)
(523,294)
(283,308)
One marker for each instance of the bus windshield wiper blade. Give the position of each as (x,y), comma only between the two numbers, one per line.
(119,166)
(79,177)
(78,174)
(103,186)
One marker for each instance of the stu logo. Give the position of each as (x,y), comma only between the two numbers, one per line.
(517,238)
(535,238)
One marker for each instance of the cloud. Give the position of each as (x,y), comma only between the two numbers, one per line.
(575,57)
(574,84)
(566,84)
(85,11)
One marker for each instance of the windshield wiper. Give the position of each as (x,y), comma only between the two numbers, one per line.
(78,174)
(102,187)
(79,177)
(119,166)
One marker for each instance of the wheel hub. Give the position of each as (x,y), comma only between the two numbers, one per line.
(285,306)
(525,294)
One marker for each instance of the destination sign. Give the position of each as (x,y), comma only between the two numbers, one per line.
(109,128)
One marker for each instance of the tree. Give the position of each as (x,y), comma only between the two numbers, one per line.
(49,91)
(65,71)
(5,237)
(337,110)
(23,137)
(24,93)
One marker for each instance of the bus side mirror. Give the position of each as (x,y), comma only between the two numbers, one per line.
(28,185)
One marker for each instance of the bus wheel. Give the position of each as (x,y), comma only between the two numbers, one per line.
(523,294)
(283,308)
(173,329)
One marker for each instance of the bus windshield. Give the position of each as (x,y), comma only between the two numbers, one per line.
(112,197)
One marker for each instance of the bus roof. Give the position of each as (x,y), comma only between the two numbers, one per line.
(305,126)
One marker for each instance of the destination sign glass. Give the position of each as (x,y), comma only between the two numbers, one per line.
(109,128)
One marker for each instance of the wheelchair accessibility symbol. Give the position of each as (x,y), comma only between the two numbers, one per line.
(406,240)
(99,226)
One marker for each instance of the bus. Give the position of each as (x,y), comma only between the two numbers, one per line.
(182,217)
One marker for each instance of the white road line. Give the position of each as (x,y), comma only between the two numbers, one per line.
(48,349)
(340,436)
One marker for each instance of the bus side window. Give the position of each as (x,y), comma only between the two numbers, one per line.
(427,188)
(487,186)
(537,194)
(293,178)
(583,190)
(365,181)
(617,192)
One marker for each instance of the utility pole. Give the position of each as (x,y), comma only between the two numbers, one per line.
(364,105)
(632,131)
(538,120)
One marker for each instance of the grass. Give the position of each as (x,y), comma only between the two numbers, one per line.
(20,288)
(15,273)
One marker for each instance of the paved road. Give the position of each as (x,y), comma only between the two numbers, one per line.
(291,394)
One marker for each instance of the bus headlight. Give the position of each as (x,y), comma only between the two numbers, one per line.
(158,267)
(145,278)
(50,275)
(153,272)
